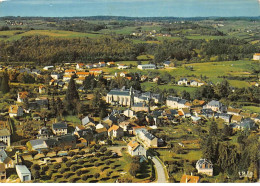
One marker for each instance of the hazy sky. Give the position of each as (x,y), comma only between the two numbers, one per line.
(138,8)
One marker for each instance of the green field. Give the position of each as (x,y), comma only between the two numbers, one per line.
(15,35)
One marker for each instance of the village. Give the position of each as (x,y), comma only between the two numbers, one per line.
(133,123)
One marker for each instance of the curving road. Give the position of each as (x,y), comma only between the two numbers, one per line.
(160,172)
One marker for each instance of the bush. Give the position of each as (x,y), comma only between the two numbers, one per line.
(75,157)
(57,166)
(96,164)
(108,153)
(98,154)
(73,168)
(80,162)
(64,159)
(102,169)
(68,163)
(62,170)
(107,162)
(84,177)
(13,177)
(72,180)
(96,175)
(91,150)
(67,175)
(49,173)
(103,158)
(92,160)
(44,168)
(71,153)
(82,152)
(103,149)
(97,146)
(35,167)
(78,172)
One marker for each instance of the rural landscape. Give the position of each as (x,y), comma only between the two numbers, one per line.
(113,99)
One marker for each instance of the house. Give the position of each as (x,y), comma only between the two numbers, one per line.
(195,119)
(140,107)
(96,65)
(96,71)
(208,113)
(102,64)
(224,116)
(215,106)
(198,103)
(136,149)
(23,173)
(44,132)
(236,119)
(256,56)
(42,89)
(115,131)
(247,123)
(148,139)
(80,80)
(89,65)
(37,144)
(143,78)
(111,64)
(86,120)
(245,115)
(22,96)
(122,66)
(70,72)
(60,128)
(42,101)
(80,66)
(233,111)
(82,74)
(129,113)
(125,125)
(146,66)
(177,103)
(195,83)
(186,112)
(101,133)
(204,166)
(2,172)
(15,111)
(7,161)
(56,75)
(166,63)
(183,82)
(48,67)
(5,138)
(189,179)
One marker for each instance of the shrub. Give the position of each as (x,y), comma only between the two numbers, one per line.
(91,150)
(57,166)
(68,163)
(67,175)
(73,168)
(49,173)
(108,153)
(13,177)
(82,152)
(80,146)
(92,160)
(108,173)
(103,149)
(96,175)
(81,162)
(72,180)
(84,177)
(78,172)
(64,159)
(44,168)
(75,157)
(98,154)
(103,158)
(97,146)
(35,167)
(71,153)
(107,162)
(96,164)
(62,170)
(102,169)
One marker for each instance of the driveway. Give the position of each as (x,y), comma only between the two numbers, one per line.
(160,172)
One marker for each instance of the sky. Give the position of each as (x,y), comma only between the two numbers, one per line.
(131,8)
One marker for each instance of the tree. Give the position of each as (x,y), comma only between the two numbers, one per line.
(45,152)
(56,150)
(71,153)
(72,96)
(227,131)
(80,146)
(5,84)
(134,168)
(64,159)
(96,175)
(84,177)
(103,149)
(33,153)
(35,167)
(35,174)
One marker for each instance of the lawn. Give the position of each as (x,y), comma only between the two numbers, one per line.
(252,108)
(72,119)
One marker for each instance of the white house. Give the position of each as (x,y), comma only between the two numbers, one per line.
(204,166)
(122,66)
(23,173)
(48,67)
(136,149)
(183,81)
(5,139)
(177,103)
(80,66)
(146,66)
(15,110)
(256,56)
(60,128)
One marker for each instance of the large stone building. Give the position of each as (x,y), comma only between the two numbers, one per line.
(123,97)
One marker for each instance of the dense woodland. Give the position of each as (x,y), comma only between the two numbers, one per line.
(48,50)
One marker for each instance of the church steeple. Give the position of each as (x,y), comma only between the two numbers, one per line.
(131,92)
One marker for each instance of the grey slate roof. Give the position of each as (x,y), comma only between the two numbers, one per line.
(247,123)
(86,120)
(119,92)
(3,156)
(177,99)
(60,125)
(149,135)
(215,103)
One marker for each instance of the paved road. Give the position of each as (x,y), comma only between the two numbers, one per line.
(160,172)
